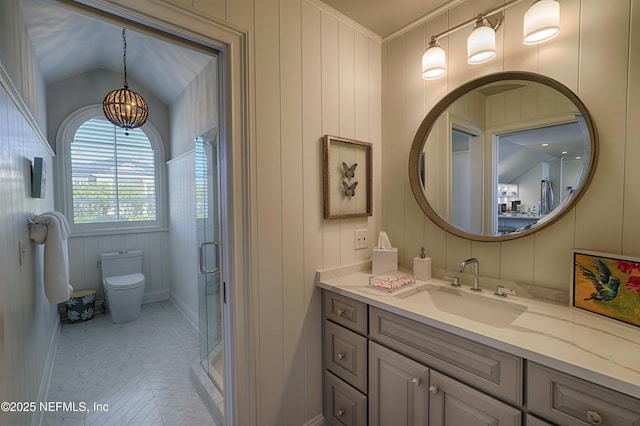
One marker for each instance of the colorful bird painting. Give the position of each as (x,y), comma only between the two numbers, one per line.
(605,284)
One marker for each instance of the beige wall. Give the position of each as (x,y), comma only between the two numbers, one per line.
(603,71)
(316,74)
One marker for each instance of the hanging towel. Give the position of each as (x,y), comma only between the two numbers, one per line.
(56,257)
(63,221)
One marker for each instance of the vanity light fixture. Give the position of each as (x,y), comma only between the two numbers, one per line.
(541,23)
(124,107)
(481,43)
(434,61)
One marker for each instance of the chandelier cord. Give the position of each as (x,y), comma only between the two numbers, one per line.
(124,56)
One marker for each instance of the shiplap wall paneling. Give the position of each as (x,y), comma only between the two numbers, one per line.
(604,58)
(30,322)
(631,225)
(312,200)
(183,240)
(292,188)
(84,257)
(271,368)
(578,58)
(394,156)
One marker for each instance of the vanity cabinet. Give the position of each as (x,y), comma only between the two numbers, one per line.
(383,369)
(568,400)
(345,360)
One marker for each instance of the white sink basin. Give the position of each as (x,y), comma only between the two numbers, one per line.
(485,308)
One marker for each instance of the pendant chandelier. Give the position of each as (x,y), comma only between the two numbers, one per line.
(124,107)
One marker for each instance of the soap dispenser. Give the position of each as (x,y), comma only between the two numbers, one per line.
(422,266)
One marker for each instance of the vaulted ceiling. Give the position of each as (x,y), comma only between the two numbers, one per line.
(69,43)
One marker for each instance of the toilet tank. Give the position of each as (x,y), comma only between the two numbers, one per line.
(121,262)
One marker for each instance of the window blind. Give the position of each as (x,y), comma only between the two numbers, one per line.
(113,175)
(202,180)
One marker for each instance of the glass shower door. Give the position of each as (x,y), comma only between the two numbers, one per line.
(210,287)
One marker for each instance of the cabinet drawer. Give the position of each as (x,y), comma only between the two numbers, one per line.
(343,404)
(344,311)
(493,371)
(568,400)
(345,354)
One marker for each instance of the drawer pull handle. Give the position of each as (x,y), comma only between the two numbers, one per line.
(433,389)
(341,412)
(594,417)
(339,312)
(416,381)
(341,355)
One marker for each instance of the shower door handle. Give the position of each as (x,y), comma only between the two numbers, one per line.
(203,269)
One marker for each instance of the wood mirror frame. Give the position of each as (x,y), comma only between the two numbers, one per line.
(429,121)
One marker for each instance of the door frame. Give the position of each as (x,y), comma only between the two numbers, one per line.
(232,44)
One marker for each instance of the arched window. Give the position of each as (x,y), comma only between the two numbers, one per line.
(109,181)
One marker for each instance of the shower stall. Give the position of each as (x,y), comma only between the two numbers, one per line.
(210,252)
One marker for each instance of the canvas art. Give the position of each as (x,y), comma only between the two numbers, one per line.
(607,285)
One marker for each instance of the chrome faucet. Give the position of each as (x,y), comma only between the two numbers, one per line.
(476,271)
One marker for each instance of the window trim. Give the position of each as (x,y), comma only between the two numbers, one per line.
(64,199)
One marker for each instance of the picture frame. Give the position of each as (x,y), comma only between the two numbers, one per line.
(38,178)
(606,284)
(347,181)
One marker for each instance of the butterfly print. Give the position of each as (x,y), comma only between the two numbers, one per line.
(349,190)
(349,171)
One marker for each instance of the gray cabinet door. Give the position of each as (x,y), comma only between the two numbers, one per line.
(452,403)
(397,389)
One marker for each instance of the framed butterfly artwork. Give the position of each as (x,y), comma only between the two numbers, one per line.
(607,284)
(347,183)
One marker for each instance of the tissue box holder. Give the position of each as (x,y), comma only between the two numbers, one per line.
(392,281)
(384,260)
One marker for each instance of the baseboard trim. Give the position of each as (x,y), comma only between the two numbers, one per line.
(155,296)
(43,391)
(184,309)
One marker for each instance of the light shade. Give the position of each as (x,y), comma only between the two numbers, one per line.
(434,62)
(125,108)
(541,22)
(481,44)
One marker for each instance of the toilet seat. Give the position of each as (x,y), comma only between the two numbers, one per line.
(124,282)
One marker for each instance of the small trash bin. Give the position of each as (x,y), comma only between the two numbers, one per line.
(81,305)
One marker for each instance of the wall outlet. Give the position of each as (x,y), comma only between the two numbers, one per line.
(361,239)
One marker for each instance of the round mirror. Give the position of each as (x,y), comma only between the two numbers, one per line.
(503,156)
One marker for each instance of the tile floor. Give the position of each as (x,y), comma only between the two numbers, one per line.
(140,370)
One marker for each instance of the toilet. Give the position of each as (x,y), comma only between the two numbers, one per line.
(123,283)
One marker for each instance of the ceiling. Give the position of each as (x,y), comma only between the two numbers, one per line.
(68,43)
(384,17)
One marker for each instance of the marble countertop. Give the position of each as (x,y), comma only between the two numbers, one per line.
(597,349)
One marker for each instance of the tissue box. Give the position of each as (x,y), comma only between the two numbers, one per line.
(384,260)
